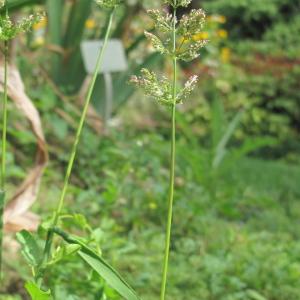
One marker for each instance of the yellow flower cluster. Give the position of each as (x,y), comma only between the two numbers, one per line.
(221,33)
(201,36)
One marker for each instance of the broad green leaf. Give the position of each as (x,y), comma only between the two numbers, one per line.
(36,293)
(30,248)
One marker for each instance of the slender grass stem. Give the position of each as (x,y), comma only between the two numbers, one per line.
(60,205)
(3,152)
(172,168)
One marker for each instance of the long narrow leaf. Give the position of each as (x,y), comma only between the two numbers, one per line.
(107,272)
(221,148)
(55,10)
(109,275)
(16,4)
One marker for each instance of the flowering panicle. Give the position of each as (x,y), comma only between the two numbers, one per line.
(190,51)
(187,48)
(108,3)
(162,20)
(157,43)
(9,30)
(189,26)
(187,89)
(192,23)
(157,88)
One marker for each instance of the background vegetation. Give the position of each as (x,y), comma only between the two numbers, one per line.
(236,225)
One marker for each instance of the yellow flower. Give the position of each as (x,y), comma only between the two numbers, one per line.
(223,34)
(217,19)
(90,24)
(225,54)
(41,24)
(197,37)
(201,36)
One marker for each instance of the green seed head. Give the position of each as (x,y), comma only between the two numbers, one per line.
(9,30)
(179,40)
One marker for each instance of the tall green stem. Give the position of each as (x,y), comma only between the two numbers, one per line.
(60,205)
(172,168)
(3,156)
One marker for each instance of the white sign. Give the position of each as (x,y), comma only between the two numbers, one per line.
(114,58)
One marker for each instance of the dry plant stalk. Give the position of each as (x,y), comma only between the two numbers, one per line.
(8,31)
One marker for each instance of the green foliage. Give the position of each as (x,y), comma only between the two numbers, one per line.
(253,17)
(30,249)
(36,293)
(281,35)
(226,250)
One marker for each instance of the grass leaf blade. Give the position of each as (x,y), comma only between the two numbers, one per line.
(106,271)
(110,275)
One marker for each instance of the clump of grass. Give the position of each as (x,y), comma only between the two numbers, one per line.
(175,40)
(8,31)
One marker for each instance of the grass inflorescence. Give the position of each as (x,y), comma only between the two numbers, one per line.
(175,41)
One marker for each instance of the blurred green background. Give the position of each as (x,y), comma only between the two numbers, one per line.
(236,229)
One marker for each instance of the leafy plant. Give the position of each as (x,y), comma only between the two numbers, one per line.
(39,262)
(177,43)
